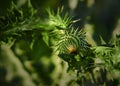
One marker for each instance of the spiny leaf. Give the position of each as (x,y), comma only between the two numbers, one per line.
(103,51)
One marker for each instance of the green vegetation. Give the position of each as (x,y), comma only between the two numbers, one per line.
(45,46)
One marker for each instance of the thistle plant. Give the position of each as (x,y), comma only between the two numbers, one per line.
(94,64)
(89,62)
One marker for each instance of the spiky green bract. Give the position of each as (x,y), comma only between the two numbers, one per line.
(56,20)
(73,37)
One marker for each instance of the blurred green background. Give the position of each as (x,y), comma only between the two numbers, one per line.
(22,66)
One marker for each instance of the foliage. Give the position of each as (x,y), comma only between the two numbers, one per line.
(88,61)
(32,39)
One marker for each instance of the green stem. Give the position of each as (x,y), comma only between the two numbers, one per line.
(93,78)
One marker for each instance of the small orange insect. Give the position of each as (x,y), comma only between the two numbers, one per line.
(71,49)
